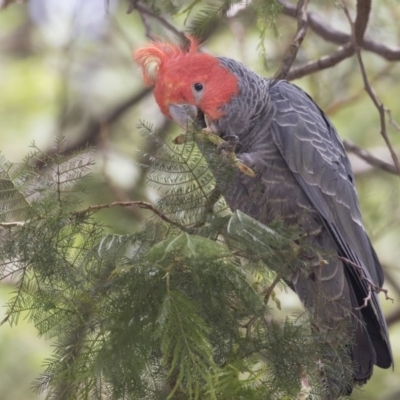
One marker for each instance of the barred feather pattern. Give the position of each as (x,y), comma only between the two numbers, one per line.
(304,178)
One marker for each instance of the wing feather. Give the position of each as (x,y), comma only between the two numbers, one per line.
(315,154)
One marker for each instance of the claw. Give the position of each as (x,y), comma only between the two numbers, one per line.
(228,146)
(244,168)
(234,139)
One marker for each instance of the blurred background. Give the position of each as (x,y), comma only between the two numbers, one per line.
(66,70)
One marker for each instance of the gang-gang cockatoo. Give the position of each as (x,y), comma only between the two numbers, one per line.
(303,178)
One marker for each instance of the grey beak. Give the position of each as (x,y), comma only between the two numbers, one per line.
(183,114)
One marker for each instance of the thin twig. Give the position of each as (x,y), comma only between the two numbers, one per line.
(369,158)
(327,32)
(294,47)
(391,120)
(339,104)
(140,204)
(145,10)
(371,286)
(12,224)
(271,288)
(146,22)
(379,106)
(249,325)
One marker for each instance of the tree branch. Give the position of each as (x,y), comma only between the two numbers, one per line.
(93,128)
(7,225)
(392,281)
(145,10)
(361,22)
(140,204)
(341,103)
(327,32)
(379,106)
(322,63)
(369,158)
(393,317)
(294,47)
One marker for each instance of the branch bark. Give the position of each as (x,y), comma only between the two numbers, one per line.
(294,47)
(322,63)
(361,22)
(145,11)
(93,128)
(369,158)
(140,204)
(327,32)
(379,106)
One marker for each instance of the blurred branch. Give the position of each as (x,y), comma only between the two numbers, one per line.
(145,11)
(379,106)
(395,315)
(267,294)
(391,120)
(327,32)
(391,280)
(93,128)
(118,193)
(5,3)
(145,20)
(294,47)
(12,224)
(18,41)
(338,105)
(361,22)
(363,10)
(369,158)
(322,63)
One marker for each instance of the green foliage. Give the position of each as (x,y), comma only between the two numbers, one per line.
(208,16)
(39,84)
(266,12)
(176,311)
(182,176)
(201,17)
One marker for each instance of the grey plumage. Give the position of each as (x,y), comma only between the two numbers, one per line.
(304,177)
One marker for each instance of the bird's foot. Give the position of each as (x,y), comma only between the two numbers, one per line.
(227,148)
(228,144)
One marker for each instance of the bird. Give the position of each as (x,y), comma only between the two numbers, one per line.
(303,178)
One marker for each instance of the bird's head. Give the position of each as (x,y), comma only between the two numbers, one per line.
(187,84)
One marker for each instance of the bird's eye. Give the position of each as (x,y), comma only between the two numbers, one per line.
(198,87)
